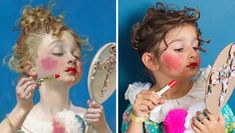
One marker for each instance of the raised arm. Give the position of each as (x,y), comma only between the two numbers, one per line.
(15,119)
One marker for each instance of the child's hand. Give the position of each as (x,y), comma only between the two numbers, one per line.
(145,102)
(95,116)
(215,123)
(24,92)
(95,113)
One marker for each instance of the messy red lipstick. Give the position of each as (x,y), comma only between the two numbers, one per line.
(193,65)
(71,70)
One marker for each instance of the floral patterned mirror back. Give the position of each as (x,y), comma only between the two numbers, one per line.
(102,73)
(221,80)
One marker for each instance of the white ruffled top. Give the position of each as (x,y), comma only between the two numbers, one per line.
(66,118)
(194,97)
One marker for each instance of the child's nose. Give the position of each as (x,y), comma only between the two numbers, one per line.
(193,54)
(72,60)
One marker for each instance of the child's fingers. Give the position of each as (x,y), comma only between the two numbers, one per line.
(198,124)
(93,116)
(91,121)
(211,116)
(29,90)
(94,110)
(29,95)
(195,129)
(149,95)
(149,104)
(94,104)
(27,84)
(22,81)
(203,119)
(88,101)
(161,101)
(21,90)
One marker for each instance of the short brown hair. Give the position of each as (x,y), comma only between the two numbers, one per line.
(148,34)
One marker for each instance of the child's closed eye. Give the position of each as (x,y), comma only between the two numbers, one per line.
(178,49)
(58,54)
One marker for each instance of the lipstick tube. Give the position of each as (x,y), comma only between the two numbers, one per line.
(54,76)
(167,87)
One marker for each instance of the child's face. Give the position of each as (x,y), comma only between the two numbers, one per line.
(59,56)
(182,57)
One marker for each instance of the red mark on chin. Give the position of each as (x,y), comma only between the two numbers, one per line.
(49,64)
(172,61)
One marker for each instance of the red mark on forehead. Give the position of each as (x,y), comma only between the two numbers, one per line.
(49,64)
(172,61)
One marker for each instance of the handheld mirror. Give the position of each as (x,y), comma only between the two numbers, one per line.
(102,73)
(221,80)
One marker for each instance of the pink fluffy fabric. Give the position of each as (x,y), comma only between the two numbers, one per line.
(58,127)
(174,121)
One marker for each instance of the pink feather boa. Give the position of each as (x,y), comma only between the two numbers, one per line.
(174,121)
(58,127)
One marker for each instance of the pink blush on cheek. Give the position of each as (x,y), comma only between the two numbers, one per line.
(171,61)
(49,64)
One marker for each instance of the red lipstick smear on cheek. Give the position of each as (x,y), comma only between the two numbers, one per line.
(80,68)
(49,64)
(173,62)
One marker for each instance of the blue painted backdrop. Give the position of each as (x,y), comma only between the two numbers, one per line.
(94,19)
(217,23)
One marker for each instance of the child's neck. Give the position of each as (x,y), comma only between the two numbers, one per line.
(53,99)
(180,89)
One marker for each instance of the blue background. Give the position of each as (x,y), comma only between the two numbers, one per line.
(217,23)
(93,19)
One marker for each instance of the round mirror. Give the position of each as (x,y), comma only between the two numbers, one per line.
(102,73)
(221,80)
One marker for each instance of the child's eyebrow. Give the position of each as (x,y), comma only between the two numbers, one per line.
(56,41)
(53,43)
(181,39)
(175,40)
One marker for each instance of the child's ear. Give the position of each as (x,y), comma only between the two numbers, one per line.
(30,69)
(150,61)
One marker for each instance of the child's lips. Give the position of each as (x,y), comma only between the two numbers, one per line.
(71,70)
(193,65)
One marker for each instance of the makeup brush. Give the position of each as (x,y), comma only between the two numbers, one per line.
(54,76)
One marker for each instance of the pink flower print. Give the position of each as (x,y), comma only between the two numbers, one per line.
(125,117)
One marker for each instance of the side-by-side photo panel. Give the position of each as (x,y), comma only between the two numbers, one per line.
(176,66)
(58,66)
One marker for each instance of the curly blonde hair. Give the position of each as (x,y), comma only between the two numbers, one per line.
(34,23)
